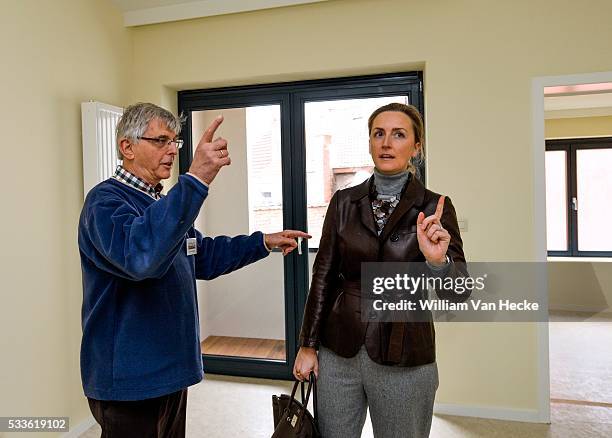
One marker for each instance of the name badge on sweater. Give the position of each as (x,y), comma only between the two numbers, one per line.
(191,245)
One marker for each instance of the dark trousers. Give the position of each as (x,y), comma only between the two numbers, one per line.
(160,417)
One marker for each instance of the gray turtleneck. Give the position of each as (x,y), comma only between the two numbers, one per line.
(390,184)
(389,190)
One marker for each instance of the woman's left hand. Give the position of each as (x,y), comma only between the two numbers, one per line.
(432,237)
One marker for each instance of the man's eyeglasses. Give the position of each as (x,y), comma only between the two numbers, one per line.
(161,142)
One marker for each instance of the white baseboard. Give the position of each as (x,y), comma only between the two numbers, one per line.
(508,414)
(82,427)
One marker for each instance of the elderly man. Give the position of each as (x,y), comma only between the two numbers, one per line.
(140,258)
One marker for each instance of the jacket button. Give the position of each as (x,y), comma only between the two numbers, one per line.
(394,237)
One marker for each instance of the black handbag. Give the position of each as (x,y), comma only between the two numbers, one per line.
(291,418)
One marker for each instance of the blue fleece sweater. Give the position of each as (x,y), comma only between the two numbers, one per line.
(140,311)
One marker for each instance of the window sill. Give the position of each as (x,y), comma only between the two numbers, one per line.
(581,259)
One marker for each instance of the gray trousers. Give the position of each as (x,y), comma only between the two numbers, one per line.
(400,399)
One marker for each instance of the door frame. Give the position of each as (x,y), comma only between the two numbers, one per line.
(539,199)
(291,96)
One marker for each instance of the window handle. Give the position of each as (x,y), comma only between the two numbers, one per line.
(575,204)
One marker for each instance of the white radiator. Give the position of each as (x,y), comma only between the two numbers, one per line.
(99,121)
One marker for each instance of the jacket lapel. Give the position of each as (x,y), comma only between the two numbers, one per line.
(361,198)
(366,214)
(413,195)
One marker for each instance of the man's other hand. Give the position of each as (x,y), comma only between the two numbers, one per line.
(285,240)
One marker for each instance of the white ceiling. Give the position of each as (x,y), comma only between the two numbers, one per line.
(578,105)
(134,5)
(142,12)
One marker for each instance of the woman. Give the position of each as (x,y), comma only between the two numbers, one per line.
(387,366)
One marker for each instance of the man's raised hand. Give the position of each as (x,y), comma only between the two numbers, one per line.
(210,155)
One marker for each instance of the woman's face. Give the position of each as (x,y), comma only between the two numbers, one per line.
(392,142)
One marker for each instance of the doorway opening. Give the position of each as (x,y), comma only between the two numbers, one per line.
(573,189)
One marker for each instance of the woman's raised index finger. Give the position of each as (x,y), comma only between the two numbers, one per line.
(210,131)
(440,207)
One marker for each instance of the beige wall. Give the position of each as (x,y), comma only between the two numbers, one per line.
(575,127)
(55,55)
(479,59)
(580,285)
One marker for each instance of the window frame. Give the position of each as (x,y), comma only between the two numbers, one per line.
(571,146)
(291,96)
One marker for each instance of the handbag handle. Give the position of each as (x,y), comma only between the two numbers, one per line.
(313,379)
(312,387)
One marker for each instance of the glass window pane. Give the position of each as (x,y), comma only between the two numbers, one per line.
(556,201)
(337,153)
(238,318)
(263,144)
(594,181)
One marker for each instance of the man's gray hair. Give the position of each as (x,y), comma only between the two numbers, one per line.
(136,118)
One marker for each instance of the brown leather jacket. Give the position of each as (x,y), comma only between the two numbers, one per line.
(333,310)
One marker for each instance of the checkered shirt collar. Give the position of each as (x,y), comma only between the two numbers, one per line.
(132,180)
